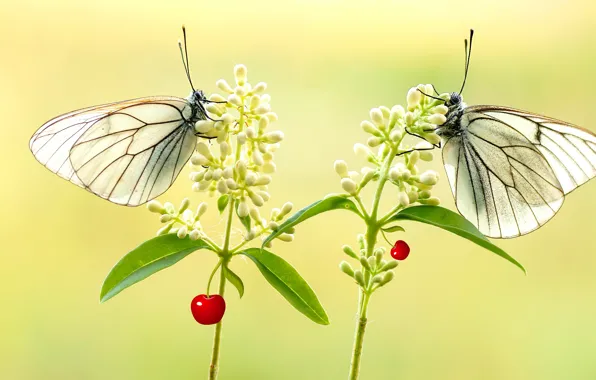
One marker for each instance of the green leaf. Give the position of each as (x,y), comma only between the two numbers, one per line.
(149,257)
(244,220)
(234,280)
(286,280)
(335,202)
(393,229)
(452,222)
(222,202)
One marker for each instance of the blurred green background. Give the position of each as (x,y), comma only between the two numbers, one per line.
(454,311)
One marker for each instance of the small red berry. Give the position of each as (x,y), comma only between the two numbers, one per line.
(208,310)
(400,250)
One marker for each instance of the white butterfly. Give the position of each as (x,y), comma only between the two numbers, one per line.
(510,170)
(126,152)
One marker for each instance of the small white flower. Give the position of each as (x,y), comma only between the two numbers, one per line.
(369,127)
(242,209)
(201,210)
(203,126)
(235,100)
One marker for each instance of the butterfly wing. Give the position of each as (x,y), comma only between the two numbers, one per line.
(501,182)
(128,152)
(569,149)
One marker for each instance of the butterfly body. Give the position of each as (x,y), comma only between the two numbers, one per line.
(452,127)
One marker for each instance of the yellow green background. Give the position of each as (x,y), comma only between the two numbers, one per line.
(454,311)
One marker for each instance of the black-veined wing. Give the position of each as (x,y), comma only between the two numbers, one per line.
(569,149)
(128,152)
(500,181)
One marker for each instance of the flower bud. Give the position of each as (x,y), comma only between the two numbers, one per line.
(156,207)
(409,118)
(368,127)
(374,141)
(182,231)
(359,277)
(345,267)
(376,116)
(429,177)
(274,137)
(235,100)
(259,87)
(256,199)
(203,126)
(341,168)
(432,201)
(389,265)
(364,262)
(412,196)
(243,209)
(194,234)
(240,74)
(413,98)
(285,210)
(350,252)
(164,230)
(213,109)
(272,117)
(263,180)
(442,109)
(241,169)
(377,279)
(388,276)
(170,209)
(437,119)
(201,210)
(432,138)
(224,86)
(286,237)
(372,262)
(349,186)
(165,218)
(413,159)
(403,199)
(222,187)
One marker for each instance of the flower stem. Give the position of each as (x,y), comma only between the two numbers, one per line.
(214,366)
(359,335)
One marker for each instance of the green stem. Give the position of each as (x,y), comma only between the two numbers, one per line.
(372,230)
(359,335)
(214,366)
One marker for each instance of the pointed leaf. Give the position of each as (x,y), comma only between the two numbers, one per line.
(452,222)
(286,280)
(234,280)
(244,220)
(149,257)
(222,202)
(393,229)
(335,202)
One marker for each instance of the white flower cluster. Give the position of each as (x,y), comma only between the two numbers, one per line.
(182,222)
(240,162)
(237,166)
(388,129)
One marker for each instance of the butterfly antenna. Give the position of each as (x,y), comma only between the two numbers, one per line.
(431,96)
(184,55)
(468,53)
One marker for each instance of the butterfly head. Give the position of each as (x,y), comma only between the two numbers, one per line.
(196,97)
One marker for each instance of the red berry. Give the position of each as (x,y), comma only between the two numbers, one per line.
(400,250)
(208,310)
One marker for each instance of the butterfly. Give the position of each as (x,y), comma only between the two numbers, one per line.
(509,170)
(127,152)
